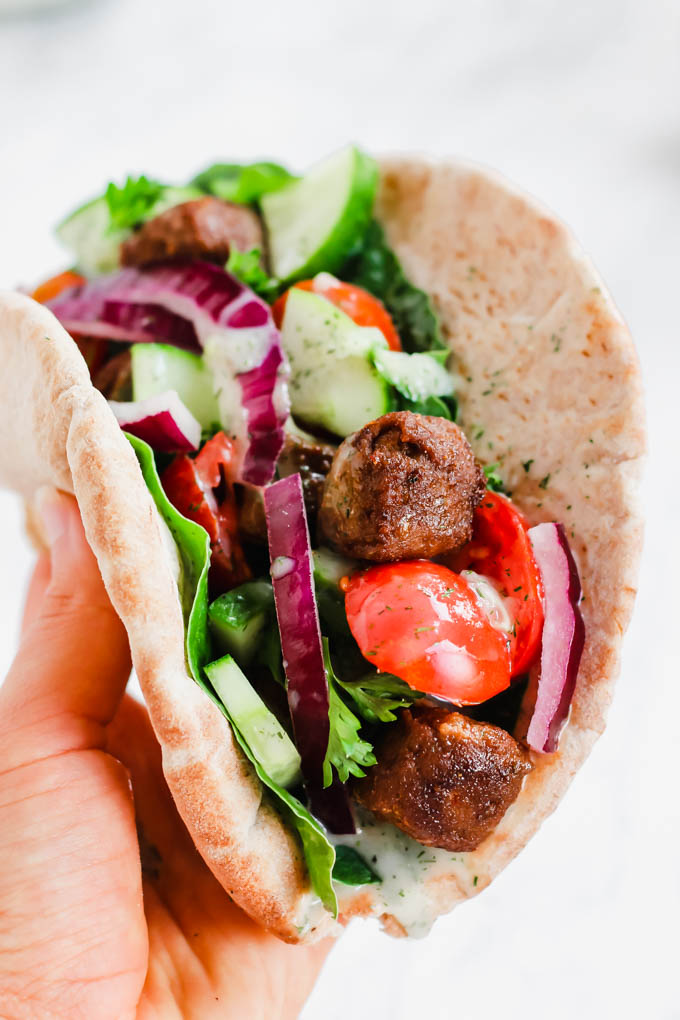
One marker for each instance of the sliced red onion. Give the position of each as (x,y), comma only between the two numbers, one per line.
(563,635)
(89,310)
(296,610)
(230,322)
(162,421)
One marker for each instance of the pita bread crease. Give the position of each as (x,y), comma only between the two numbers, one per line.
(549,389)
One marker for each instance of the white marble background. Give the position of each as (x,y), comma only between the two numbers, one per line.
(579,103)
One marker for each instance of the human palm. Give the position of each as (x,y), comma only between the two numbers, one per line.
(88,927)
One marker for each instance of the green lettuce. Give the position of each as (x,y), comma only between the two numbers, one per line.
(244,184)
(351,868)
(193,546)
(376,268)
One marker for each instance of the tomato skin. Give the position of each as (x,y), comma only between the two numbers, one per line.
(500,549)
(362,307)
(201,490)
(422,622)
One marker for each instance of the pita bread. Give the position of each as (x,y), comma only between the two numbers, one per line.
(548,372)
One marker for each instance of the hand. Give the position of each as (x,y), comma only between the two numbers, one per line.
(85,929)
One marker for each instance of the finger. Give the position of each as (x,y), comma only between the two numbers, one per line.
(36,590)
(73,662)
(203,934)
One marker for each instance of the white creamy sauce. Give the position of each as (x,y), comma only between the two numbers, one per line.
(405,867)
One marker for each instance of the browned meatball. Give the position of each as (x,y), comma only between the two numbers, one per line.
(204,228)
(444,779)
(114,378)
(312,458)
(403,487)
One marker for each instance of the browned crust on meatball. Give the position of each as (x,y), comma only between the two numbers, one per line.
(204,228)
(403,487)
(444,779)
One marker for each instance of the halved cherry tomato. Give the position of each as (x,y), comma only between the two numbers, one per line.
(54,286)
(422,622)
(500,549)
(202,490)
(362,307)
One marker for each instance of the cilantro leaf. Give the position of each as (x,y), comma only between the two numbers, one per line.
(130,204)
(347,752)
(377,695)
(376,268)
(493,479)
(244,184)
(350,868)
(246,265)
(437,407)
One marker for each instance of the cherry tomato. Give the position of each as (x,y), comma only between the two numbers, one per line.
(422,622)
(500,549)
(54,286)
(362,307)
(201,489)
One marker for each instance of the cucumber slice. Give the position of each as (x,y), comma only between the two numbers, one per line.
(334,382)
(264,734)
(86,233)
(238,618)
(329,569)
(157,368)
(314,223)
(415,376)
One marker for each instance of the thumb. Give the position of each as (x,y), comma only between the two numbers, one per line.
(73,661)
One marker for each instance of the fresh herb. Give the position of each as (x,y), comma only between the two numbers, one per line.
(247,266)
(350,868)
(543,484)
(526,464)
(132,203)
(193,546)
(378,695)
(437,407)
(376,268)
(347,752)
(244,184)
(493,479)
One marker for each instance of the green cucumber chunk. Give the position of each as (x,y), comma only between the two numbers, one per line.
(239,617)
(315,222)
(415,376)
(157,368)
(334,382)
(88,235)
(266,737)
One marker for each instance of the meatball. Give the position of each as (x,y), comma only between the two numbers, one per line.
(403,487)
(444,779)
(204,228)
(114,378)
(312,458)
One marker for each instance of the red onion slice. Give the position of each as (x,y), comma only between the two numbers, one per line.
(563,635)
(296,610)
(199,303)
(162,421)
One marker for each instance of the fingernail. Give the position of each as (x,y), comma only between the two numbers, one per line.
(52,509)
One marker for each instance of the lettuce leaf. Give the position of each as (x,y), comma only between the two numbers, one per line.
(351,868)
(193,546)
(242,183)
(376,268)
